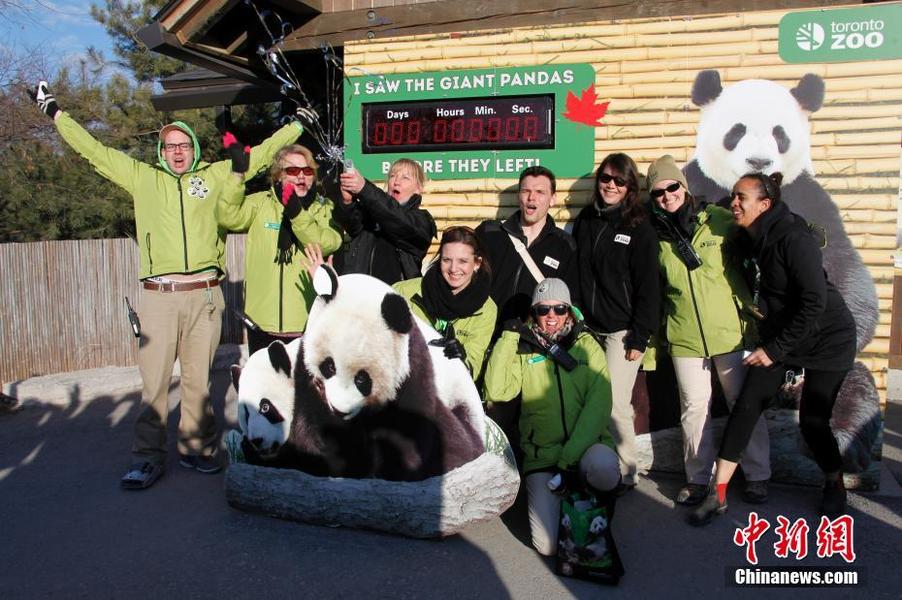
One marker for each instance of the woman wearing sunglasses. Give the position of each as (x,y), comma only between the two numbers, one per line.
(706,325)
(618,268)
(279,223)
(453,297)
(559,370)
(805,323)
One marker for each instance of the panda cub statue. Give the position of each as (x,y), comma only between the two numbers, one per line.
(370,398)
(265,387)
(757,125)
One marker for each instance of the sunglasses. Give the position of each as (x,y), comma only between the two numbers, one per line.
(542,310)
(606,178)
(295,171)
(670,188)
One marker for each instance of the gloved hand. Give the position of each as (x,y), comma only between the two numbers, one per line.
(293,203)
(45,100)
(564,481)
(307,116)
(454,349)
(241,156)
(515,325)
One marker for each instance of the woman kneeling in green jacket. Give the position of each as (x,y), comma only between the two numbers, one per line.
(454,297)
(561,374)
(280,223)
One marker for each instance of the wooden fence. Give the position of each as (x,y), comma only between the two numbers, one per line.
(62,304)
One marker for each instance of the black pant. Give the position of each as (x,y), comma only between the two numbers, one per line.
(818,396)
(258,339)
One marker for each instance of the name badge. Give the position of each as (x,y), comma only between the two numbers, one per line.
(269,225)
(622,238)
(551,262)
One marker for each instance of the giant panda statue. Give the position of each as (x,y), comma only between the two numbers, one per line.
(759,125)
(370,398)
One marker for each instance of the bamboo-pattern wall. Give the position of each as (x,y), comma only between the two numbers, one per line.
(646,68)
(62,307)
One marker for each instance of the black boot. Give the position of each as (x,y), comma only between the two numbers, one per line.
(833,503)
(707,510)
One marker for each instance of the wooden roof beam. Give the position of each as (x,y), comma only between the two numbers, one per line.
(447,16)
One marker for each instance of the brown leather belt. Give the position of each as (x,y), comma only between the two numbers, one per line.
(180,286)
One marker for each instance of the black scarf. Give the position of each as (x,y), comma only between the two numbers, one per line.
(441,303)
(288,242)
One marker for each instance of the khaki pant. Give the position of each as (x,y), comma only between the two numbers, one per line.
(699,447)
(187,326)
(598,467)
(622,426)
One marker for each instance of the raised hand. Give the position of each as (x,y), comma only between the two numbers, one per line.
(45,100)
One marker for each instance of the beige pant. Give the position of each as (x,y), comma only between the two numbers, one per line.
(699,446)
(187,326)
(599,467)
(622,426)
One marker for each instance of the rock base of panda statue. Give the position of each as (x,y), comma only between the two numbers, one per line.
(477,491)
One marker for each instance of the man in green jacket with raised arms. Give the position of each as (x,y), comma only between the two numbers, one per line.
(182,250)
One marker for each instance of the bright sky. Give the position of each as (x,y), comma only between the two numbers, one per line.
(63,27)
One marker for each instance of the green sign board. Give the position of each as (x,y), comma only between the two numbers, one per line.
(481,123)
(871,32)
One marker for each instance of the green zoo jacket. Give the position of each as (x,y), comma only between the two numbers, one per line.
(278,297)
(705,309)
(563,412)
(474,332)
(175,216)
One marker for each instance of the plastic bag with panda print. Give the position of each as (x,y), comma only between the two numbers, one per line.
(585,543)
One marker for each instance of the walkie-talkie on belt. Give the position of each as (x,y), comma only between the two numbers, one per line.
(133,318)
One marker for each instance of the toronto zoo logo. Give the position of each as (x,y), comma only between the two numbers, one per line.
(850,35)
(810,36)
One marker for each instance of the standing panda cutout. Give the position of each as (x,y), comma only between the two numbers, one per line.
(758,125)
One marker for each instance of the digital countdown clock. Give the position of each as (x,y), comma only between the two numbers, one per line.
(500,123)
(488,123)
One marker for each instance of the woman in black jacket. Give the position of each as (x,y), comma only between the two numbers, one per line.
(390,234)
(805,324)
(619,284)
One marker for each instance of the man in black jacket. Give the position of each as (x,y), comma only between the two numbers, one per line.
(552,250)
(390,234)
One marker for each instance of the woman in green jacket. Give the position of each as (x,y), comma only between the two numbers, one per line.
(454,297)
(560,372)
(279,223)
(706,325)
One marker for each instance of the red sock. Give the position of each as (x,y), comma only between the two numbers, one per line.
(721,492)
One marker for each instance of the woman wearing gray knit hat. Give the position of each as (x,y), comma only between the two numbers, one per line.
(560,372)
(707,324)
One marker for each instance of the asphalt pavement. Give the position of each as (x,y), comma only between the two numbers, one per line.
(67,530)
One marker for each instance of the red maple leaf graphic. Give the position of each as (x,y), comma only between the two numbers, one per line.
(584,109)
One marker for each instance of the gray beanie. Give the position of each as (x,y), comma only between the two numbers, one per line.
(662,169)
(551,289)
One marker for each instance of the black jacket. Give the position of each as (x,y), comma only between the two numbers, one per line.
(618,273)
(806,322)
(553,251)
(388,240)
